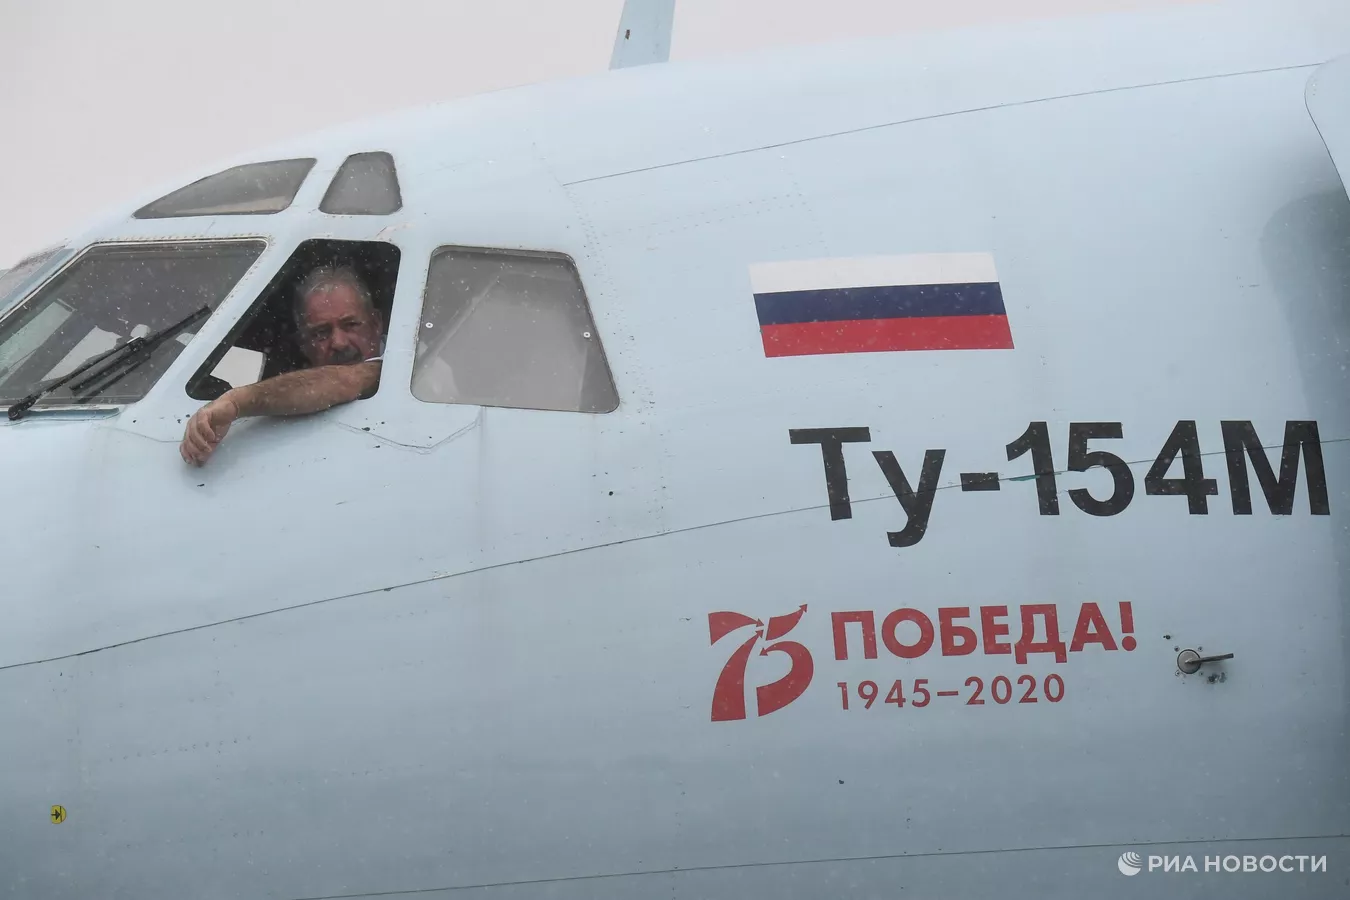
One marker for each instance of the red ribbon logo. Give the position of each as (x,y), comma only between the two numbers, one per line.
(728,703)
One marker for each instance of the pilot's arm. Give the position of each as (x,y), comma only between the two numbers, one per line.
(292,394)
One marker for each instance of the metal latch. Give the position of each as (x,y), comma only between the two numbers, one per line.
(1189,662)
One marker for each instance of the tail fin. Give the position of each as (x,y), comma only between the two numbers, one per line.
(644,33)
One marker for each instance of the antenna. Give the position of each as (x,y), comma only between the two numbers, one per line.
(644,33)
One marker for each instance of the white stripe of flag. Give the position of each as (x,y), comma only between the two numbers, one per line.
(872,271)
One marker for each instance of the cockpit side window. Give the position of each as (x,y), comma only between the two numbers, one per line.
(13,280)
(110,295)
(266,341)
(512,329)
(366,185)
(252,189)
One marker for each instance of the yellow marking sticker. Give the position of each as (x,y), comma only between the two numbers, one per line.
(58,815)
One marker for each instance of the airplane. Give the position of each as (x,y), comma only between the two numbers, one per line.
(910,467)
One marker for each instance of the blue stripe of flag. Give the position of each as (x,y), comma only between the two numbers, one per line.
(897,301)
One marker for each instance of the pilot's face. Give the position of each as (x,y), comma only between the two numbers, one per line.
(338,328)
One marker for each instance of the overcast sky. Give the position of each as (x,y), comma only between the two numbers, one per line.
(102,98)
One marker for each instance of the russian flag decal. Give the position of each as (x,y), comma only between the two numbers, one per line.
(926,301)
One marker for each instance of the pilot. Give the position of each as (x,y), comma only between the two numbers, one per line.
(340,333)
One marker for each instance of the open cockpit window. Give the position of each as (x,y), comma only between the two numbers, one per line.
(252,189)
(110,295)
(366,185)
(508,328)
(283,332)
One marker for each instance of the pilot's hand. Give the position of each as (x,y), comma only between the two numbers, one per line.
(206,429)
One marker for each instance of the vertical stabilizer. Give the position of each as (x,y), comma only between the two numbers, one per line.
(644,33)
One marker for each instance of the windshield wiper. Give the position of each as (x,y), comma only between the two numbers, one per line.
(133,352)
(133,356)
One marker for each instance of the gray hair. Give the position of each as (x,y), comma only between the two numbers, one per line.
(324,279)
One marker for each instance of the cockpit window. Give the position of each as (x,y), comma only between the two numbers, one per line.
(252,189)
(265,341)
(108,296)
(15,279)
(366,185)
(506,328)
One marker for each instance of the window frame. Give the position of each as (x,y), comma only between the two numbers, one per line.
(522,253)
(266,294)
(76,257)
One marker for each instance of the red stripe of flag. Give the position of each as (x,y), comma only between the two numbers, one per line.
(874,335)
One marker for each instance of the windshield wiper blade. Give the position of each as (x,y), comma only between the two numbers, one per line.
(133,356)
(136,348)
(18,409)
